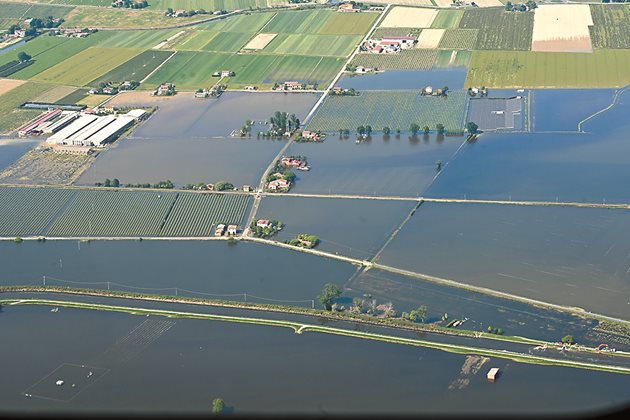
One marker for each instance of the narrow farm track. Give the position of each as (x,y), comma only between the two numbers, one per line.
(300,328)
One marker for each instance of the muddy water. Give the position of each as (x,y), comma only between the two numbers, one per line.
(181,365)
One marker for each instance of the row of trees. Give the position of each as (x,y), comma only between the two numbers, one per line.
(367,130)
(283,124)
(168,184)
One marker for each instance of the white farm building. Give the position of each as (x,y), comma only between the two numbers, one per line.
(93,130)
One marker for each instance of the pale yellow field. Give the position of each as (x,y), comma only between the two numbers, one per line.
(259,42)
(444,3)
(9,84)
(562,28)
(488,3)
(409,17)
(54,94)
(138,98)
(430,38)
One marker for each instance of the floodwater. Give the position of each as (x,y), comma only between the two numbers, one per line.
(454,78)
(13,149)
(188,141)
(479,310)
(356,228)
(569,256)
(562,109)
(391,166)
(195,268)
(549,166)
(169,365)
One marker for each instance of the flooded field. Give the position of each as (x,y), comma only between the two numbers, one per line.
(357,228)
(562,109)
(479,311)
(195,268)
(169,365)
(539,166)
(569,256)
(13,149)
(454,78)
(188,141)
(395,165)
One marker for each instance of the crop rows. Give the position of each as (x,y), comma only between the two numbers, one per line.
(28,211)
(136,68)
(405,60)
(459,39)
(393,109)
(500,30)
(114,213)
(196,215)
(611,27)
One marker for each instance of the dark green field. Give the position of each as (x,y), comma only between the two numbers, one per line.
(136,69)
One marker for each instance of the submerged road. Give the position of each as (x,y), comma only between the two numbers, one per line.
(300,328)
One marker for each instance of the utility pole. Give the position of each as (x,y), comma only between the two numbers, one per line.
(44,280)
(245,294)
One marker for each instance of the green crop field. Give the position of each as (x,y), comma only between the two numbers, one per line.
(298,22)
(196,215)
(136,68)
(447,19)
(193,40)
(611,26)
(114,213)
(406,60)
(137,39)
(445,58)
(74,97)
(394,109)
(209,5)
(29,211)
(241,23)
(526,69)
(5,23)
(116,18)
(459,39)
(227,41)
(322,45)
(11,117)
(86,66)
(48,51)
(189,70)
(500,30)
(349,23)
(13,10)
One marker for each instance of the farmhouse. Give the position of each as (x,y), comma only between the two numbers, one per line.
(291,86)
(363,70)
(232,230)
(165,89)
(263,223)
(219,230)
(389,44)
(279,185)
(347,8)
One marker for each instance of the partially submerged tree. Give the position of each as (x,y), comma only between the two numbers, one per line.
(329,294)
(218,406)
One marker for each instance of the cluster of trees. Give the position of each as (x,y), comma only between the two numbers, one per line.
(520,7)
(497,331)
(304,240)
(168,184)
(23,57)
(416,314)
(472,127)
(415,129)
(329,294)
(283,124)
(218,406)
(364,131)
(568,339)
(246,129)
(187,13)
(267,232)
(223,186)
(131,4)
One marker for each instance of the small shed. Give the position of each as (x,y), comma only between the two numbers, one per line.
(493,374)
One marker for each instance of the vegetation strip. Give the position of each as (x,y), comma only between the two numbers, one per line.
(300,328)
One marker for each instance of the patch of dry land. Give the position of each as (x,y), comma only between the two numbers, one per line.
(562,28)
(259,42)
(409,17)
(44,166)
(443,3)
(430,38)
(9,84)
(138,98)
(488,3)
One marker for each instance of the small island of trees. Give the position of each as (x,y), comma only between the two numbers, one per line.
(265,228)
(304,240)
